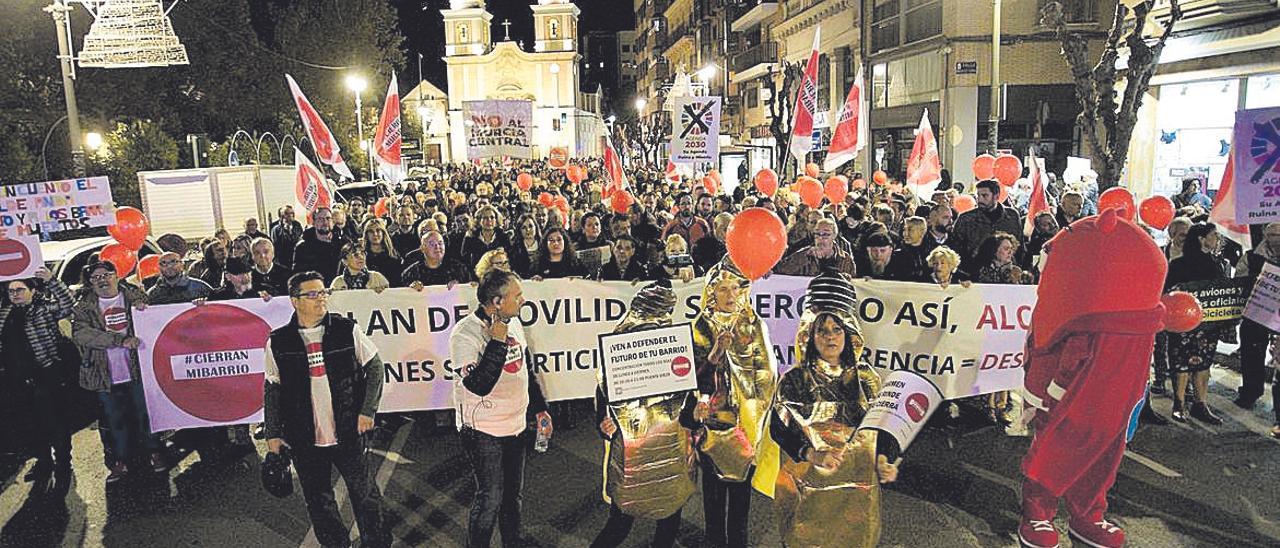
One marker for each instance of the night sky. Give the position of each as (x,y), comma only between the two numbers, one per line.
(424,29)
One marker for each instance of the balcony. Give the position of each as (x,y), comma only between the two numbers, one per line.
(677,35)
(1074,12)
(660,71)
(758,11)
(1204,13)
(754,61)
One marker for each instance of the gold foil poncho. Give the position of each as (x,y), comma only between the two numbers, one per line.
(824,403)
(649,469)
(736,436)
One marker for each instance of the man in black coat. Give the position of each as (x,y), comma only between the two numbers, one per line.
(320,248)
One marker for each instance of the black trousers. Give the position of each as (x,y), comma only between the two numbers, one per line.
(1254,338)
(49,401)
(315,467)
(727,505)
(619,526)
(499,471)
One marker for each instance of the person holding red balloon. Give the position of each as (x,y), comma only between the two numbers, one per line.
(1192,353)
(102,327)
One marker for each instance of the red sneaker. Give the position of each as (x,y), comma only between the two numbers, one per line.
(1038,533)
(1099,534)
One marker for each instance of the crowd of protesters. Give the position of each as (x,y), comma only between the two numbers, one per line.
(454,225)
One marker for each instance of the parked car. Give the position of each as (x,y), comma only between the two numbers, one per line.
(368,192)
(66,258)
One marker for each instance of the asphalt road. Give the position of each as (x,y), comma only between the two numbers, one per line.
(1182,485)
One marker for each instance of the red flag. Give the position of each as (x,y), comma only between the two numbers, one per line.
(1223,214)
(613,169)
(672,172)
(806,105)
(850,135)
(924,167)
(1038,202)
(322,140)
(310,187)
(386,142)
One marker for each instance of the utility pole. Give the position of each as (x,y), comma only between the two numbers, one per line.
(993,130)
(61,13)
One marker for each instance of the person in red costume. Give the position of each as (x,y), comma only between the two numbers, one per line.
(1088,354)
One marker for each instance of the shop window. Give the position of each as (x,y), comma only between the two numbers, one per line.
(1193,132)
(1263,91)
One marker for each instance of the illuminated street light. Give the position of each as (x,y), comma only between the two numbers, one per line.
(93,140)
(640,104)
(707,73)
(356,84)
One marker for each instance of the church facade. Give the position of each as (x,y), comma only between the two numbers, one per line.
(481,69)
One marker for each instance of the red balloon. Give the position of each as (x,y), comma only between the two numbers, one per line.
(561,203)
(1004,194)
(715,175)
(963,203)
(1008,168)
(881,178)
(767,182)
(149,266)
(121,256)
(756,240)
(1182,312)
(131,227)
(859,184)
(545,199)
(836,189)
(984,167)
(380,208)
(576,174)
(524,181)
(710,184)
(810,191)
(1118,198)
(621,201)
(811,169)
(1157,211)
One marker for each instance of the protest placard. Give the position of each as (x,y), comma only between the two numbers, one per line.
(20,256)
(1223,300)
(696,134)
(1264,302)
(652,362)
(497,128)
(50,206)
(1256,158)
(905,402)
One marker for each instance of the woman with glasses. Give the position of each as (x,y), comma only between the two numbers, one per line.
(29,361)
(355,273)
(493,260)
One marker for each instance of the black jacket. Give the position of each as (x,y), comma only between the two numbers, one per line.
(313,254)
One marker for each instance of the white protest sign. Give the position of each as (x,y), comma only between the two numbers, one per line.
(1264,303)
(1257,165)
(651,362)
(50,206)
(695,137)
(905,402)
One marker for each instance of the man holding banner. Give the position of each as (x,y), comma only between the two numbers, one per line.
(322,390)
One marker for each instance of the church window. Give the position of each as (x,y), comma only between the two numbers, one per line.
(553,28)
(462,32)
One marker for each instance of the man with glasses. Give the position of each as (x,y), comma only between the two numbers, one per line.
(321,246)
(174,286)
(434,268)
(686,224)
(821,256)
(322,390)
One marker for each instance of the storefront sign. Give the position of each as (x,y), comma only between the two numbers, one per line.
(647,363)
(1257,165)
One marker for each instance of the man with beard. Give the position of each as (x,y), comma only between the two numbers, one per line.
(976,225)
(910,260)
(823,255)
(939,221)
(709,251)
(285,234)
(879,252)
(704,210)
(267,273)
(686,224)
(174,286)
(320,246)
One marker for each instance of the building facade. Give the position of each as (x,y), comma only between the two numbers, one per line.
(479,69)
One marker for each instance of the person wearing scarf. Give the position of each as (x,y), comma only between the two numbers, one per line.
(828,488)
(355,273)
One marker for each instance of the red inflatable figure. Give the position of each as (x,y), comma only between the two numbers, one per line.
(1088,354)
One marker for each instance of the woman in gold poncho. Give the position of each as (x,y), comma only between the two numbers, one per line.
(649,457)
(828,491)
(737,379)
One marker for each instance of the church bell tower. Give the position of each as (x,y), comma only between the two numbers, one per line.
(467,28)
(555,25)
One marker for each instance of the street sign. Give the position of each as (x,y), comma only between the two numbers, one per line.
(966,67)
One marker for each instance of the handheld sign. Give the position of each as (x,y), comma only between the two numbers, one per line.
(906,400)
(647,363)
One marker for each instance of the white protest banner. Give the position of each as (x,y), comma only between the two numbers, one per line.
(966,341)
(652,362)
(20,256)
(32,208)
(202,365)
(905,401)
(1257,165)
(695,134)
(1264,303)
(497,128)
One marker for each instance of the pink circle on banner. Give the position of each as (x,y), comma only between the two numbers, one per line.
(917,406)
(14,257)
(681,366)
(211,328)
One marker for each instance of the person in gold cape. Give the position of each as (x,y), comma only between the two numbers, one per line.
(737,378)
(828,490)
(648,469)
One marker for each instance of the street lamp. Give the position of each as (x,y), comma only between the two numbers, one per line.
(93,141)
(707,73)
(357,84)
(640,104)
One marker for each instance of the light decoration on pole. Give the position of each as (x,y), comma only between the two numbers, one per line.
(131,33)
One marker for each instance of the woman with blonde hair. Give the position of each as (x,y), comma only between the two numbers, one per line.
(492,259)
(944,263)
(380,254)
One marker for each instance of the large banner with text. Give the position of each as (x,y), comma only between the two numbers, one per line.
(967,341)
(498,128)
